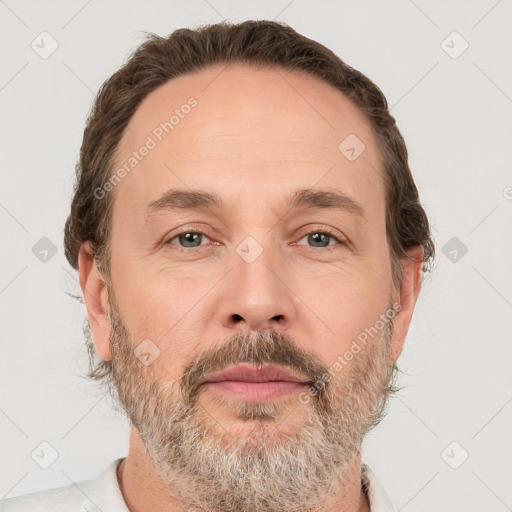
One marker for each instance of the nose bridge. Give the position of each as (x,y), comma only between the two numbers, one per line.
(257,295)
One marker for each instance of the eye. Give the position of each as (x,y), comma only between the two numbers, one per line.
(189,239)
(320,239)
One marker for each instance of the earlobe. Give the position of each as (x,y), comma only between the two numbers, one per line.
(95,294)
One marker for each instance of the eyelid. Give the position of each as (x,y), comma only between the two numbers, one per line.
(321,228)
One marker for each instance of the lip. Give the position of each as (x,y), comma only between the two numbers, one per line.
(255,391)
(252,374)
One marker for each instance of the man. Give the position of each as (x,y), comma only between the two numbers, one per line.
(250,245)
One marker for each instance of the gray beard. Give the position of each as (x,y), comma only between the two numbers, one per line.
(207,468)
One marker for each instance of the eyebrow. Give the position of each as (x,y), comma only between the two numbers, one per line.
(176,199)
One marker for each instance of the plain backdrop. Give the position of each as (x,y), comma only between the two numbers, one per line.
(444,67)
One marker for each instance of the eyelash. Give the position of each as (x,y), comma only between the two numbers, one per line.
(323,231)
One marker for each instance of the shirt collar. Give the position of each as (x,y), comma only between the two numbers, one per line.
(379,500)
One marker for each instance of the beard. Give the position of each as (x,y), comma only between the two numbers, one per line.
(267,465)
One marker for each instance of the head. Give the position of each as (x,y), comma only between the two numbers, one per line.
(244,196)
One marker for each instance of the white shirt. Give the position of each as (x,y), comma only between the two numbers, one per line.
(102,493)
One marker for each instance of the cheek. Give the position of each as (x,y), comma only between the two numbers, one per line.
(158,308)
(347,303)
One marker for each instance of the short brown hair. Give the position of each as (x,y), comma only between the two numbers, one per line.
(261,43)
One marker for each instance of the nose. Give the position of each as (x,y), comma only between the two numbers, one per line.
(257,295)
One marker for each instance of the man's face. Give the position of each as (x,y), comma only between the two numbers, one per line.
(267,283)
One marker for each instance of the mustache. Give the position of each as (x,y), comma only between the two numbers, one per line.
(264,347)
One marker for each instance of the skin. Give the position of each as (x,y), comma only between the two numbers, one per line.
(255,136)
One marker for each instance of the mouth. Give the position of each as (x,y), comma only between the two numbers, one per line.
(255,384)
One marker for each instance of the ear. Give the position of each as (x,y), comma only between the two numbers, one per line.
(409,292)
(95,294)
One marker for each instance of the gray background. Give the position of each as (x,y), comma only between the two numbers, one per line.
(454,112)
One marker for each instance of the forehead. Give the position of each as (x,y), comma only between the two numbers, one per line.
(248,132)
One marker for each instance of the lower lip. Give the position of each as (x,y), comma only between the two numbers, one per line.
(256,391)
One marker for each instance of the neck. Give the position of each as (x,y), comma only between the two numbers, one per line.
(144,491)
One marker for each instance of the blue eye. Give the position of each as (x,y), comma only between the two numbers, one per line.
(188,237)
(192,239)
(318,239)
